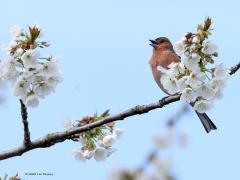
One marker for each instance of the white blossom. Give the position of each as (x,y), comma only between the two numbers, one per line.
(100,154)
(32,100)
(88,154)
(56,59)
(82,139)
(118,132)
(100,142)
(8,47)
(209,48)
(110,150)
(109,140)
(19,52)
(169,84)
(160,142)
(194,80)
(179,47)
(163,166)
(37,79)
(30,58)
(195,39)
(16,31)
(216,83)
(164,140)
(221,72)
(42,89)
(54,80)
(79,155)
(181,83)
(219,93)
(162,69)
(202,106)
(175,69)
(20,88)
(8,70)
(32,77)
(195,57)
(206,91)
(192,63)
(50,69)
(188,95)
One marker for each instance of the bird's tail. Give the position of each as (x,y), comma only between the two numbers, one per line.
(206,122)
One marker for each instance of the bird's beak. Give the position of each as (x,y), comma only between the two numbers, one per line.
(153,43)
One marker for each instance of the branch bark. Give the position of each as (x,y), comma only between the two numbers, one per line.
(234,69)
(57,137)
(26,140)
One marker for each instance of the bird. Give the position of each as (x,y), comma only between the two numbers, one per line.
(163,55)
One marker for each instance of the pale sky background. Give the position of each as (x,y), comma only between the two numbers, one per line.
(105,54)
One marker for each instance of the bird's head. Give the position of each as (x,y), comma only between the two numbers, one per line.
(161,43)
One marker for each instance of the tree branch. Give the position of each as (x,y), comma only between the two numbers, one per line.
(26,140)
(57,137)
(234,69)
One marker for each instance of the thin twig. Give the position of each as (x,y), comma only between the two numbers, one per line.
(24,114)
(234,69)
(57,137)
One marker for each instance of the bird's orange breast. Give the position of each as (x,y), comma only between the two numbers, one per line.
(163,58)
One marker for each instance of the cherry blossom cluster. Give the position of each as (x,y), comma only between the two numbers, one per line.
(32,76)
(164,143)
(193,77)
(97,142)
(161,171)
(161,164)
(169,138)
(158,164)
